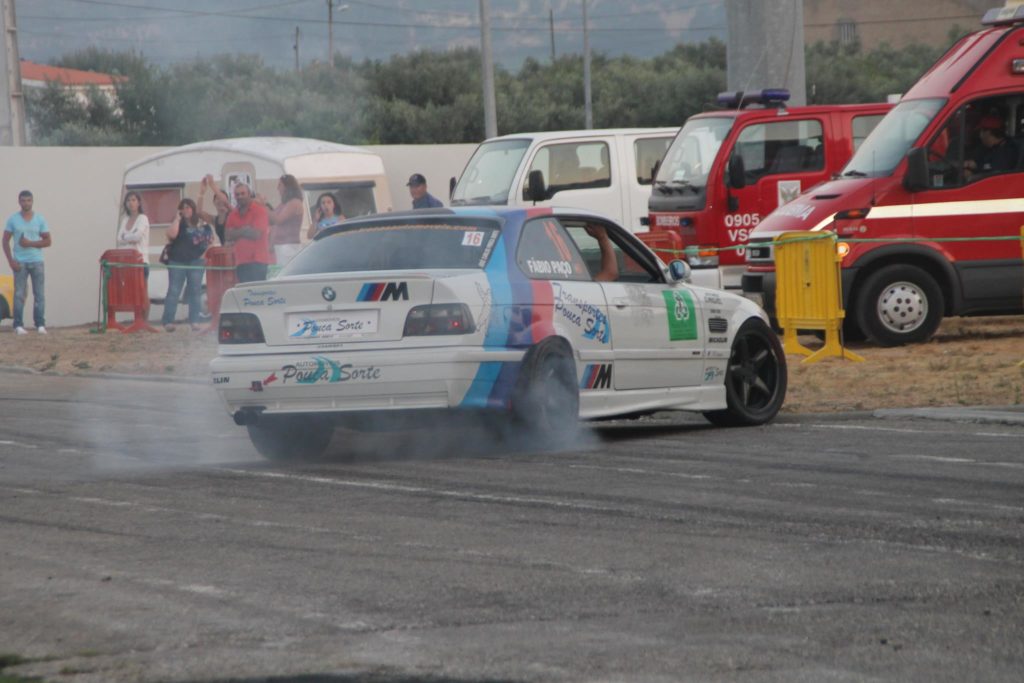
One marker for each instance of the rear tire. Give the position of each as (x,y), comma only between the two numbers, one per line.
(291,438)
(547,399)
(899,304)
(756,379)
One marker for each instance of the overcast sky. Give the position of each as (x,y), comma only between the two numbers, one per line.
(169,31)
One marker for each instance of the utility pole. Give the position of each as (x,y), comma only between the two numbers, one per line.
(330,29)
(765,47)
(296,48)
(490,109)
(12,101)
(588,108)
(551,29)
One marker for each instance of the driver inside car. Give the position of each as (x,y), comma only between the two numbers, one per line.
(609,271)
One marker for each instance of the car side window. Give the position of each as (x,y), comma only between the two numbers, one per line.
(862,127)
(628,268)
(545,252)
(571,166)
(648,153)
(781,147)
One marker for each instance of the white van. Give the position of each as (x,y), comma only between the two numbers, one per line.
(607,171)
(356,176)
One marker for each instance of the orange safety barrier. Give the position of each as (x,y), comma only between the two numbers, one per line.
(667,244)
(218,281)
(126,289)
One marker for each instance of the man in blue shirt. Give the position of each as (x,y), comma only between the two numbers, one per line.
(421,199)
(30,234)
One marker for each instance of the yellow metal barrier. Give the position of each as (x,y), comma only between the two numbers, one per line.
(808,293)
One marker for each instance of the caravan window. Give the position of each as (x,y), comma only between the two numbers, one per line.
(355,198)
(160,204)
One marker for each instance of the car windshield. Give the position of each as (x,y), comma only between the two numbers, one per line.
(688,161)
(413,245)
(489,174)
(888,143)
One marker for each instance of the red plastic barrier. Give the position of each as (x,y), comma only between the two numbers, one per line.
(126,290)
(667,244)
(218,281)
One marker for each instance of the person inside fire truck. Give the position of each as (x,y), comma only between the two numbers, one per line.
(997,153)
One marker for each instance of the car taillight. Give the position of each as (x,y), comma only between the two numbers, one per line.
(438,319)
(240,328)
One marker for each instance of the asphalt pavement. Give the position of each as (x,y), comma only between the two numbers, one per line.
(144,540)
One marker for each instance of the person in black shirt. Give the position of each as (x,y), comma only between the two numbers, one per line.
(997,153)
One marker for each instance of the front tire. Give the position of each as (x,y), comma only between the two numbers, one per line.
(899,304)
(291,438)
(756,379)
(547,399)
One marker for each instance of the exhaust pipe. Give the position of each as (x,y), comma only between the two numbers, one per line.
(249,415)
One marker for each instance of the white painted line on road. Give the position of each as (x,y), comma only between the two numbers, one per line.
(405,488)
(18,443)
(865,428)
(936,458)
(974,503)
(638,470)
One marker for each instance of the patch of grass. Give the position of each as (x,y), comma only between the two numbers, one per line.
(7,660)
(81,364)
(168,368)
(50,364)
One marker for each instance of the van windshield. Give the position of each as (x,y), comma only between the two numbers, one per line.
(888,143)
(688,161)
(488,176)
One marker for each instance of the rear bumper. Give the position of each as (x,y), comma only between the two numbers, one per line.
(343,381)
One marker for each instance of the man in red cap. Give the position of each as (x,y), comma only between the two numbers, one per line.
(997,154)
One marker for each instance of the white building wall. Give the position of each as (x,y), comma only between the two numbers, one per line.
(77,190)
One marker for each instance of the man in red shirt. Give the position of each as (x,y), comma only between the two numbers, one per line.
(247,229)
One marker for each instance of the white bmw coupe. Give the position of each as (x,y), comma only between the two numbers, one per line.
(546,316)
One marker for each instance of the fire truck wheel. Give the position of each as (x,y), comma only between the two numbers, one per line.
(899,304)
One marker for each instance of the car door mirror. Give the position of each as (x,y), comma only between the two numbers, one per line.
(679,270)
(737,172)
(536,191)
(451,187)
(916,178)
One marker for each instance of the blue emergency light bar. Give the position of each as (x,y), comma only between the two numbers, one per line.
(769,97)
(1011,13)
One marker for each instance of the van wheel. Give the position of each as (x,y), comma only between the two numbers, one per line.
(546,400)
(291,438)
(899,304)
(756,378)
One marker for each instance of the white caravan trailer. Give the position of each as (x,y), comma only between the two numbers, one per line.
(356,176)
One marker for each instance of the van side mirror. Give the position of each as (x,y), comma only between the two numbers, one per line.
(679,270)
(737,172)
(536,190)
(655,169)
(451,187)
(916,178)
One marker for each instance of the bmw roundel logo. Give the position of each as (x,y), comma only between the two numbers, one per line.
(329,294)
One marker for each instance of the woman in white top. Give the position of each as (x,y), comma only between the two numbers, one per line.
(134,232)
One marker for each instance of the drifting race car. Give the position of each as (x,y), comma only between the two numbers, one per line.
(546,316)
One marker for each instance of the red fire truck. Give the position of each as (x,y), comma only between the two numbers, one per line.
(728,169)
(937,194)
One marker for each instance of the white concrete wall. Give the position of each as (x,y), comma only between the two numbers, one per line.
(77,190)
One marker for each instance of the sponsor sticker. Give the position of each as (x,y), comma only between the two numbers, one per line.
(339,325)
(473,238)
(681,313)
(322,370)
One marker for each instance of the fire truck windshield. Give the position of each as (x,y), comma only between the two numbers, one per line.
(688,161)
(489,174)
(883,149)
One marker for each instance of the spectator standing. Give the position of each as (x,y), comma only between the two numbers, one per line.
(221,205)
(326,214)
(421,199)
(189,240)
(133,233)
(286,220)
(30,234)
(248,231)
